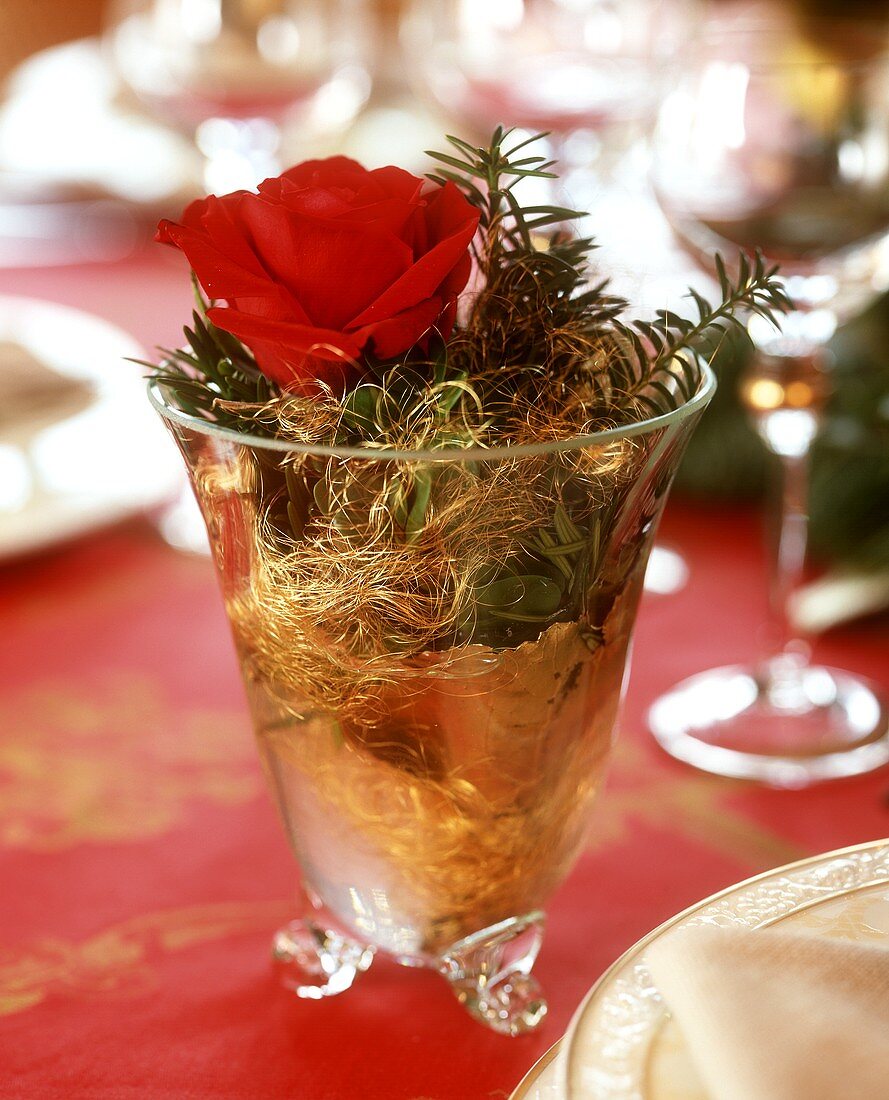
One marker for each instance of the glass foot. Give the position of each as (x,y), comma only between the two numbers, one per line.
(490,974)
(316,962)
(784,725)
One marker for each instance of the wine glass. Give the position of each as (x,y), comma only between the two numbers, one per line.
(233,72)
(777,138)
(586,71)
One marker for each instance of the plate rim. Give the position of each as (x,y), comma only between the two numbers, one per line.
(520,1092)
(639,946)
(121,374)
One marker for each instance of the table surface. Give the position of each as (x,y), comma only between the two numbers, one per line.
(143,869)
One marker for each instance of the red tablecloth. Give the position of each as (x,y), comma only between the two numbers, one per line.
(143,870)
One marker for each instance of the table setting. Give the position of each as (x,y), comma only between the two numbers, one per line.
(748,1011)
(377,488)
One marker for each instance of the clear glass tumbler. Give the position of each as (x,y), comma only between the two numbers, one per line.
(434,685)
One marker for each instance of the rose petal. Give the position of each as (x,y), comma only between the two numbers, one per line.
(397,182)
(388,197)
(390,215)
(221,220)
(216,219)
(300,372)
(402,332)
(334,270)
(218,274)
(325,343)
(447,208)
(425,276)
(328,259)
(278,305)
(457,279)
(315,172)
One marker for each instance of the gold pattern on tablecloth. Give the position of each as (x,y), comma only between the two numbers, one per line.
(114,762)
(120,762)
(120,960)
(681,801)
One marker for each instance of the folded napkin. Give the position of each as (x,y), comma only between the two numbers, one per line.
(33,395)
(777,1015)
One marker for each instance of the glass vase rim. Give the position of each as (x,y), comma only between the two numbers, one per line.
(698,401)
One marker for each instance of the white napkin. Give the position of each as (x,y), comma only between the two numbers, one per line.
(33,395)
(772,1015)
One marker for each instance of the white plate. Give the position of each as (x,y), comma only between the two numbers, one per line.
(102,171)
(540,1082)
(110,460)
(622,1043)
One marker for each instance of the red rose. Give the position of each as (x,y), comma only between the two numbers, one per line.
(327,260)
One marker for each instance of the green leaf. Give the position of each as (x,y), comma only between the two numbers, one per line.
(416,517)
(455,162)
(529,598)
(360,408)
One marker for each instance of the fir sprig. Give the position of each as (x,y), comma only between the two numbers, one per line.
(538,312)
(540,334)
(508,253)
(538,327)
(542,351)
(652,361)
(214,377)
(499,171)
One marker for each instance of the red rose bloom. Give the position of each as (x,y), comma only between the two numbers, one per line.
(328,260)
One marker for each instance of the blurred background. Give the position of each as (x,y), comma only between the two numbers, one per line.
(117,112)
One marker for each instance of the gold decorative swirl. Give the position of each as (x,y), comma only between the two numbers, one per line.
(119,762)
(694,805)
(118,961)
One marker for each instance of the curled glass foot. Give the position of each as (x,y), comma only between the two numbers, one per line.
(490,974)
(316,962)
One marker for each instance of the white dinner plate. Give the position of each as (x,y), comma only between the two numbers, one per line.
(105,459)
(622,1043)
(540,1082)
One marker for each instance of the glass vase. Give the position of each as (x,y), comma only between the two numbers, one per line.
(434,649)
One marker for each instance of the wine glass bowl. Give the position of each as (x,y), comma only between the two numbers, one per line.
(563,66)
(589,73)
(778,143)
(532,62)
(232,73)
(787,155)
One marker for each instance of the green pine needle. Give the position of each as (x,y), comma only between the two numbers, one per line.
(213,372)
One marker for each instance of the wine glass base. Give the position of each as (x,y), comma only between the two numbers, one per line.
(786,728)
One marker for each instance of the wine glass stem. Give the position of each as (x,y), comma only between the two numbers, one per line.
(790,535)
(784,396)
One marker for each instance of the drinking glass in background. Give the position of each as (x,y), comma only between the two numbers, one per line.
(591,73)
(777,138)
(234,72)
(586,71)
